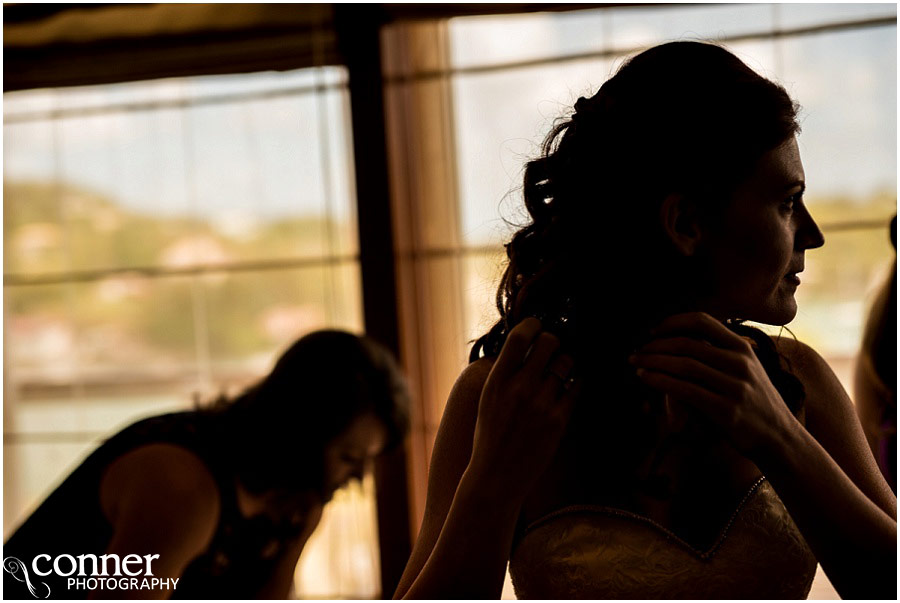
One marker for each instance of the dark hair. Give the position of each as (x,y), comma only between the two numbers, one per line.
(682,117)
(274,434)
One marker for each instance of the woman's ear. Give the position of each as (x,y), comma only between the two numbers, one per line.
(680,220)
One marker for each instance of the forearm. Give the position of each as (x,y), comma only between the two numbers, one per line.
(281,581)
(469,558)
(853,539)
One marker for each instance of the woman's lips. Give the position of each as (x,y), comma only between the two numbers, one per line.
(793,279)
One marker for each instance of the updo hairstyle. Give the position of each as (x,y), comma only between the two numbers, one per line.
(594,264)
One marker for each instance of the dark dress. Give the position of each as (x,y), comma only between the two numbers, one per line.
(238,562)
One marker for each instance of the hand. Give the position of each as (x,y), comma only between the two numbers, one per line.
(524,409)
(697,361)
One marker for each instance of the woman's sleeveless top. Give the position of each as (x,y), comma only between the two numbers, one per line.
(593,552)
(238,562)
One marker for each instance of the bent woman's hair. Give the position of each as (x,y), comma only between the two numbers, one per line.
(594,263)
(277,429)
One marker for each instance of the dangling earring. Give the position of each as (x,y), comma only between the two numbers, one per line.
(568,311)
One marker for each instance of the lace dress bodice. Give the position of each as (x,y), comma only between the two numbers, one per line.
(596,552)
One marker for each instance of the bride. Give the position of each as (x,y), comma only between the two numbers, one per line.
(620,432)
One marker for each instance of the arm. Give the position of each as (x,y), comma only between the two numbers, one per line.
(449,459)
(825,475)
(832,420)
(281,584)
(501,427)
(161,500)
(844,508)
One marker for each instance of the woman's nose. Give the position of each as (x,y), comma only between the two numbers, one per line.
(809,235)
(357,473)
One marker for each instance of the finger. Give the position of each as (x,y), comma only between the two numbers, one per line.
(689,369)
(724,360)
(555,399)
(561,367)
(709,403)
(558,377)
(516,346)
(547,391)
(703,325)
(539,357)
(676,413)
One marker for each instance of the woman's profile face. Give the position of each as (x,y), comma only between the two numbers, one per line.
(348,454)
(757,249)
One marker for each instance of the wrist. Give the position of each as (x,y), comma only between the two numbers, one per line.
(780,449)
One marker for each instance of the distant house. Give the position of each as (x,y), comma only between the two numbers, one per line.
(194,250)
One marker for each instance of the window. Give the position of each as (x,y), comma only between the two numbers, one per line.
(167,238)
(506,96)
(164,240)
(490,87)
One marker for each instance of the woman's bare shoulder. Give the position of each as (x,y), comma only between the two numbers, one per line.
(161,497)
(471,380)
(798,353)
(825,399)
(813,370)
(830,414)
(461,410)
(832,420)
(178,463)
(156,472)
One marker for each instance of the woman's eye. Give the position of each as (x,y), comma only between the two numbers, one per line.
(789,202)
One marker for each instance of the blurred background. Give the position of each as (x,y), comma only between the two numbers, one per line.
(189,188)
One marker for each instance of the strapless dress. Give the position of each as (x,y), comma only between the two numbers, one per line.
(595,552)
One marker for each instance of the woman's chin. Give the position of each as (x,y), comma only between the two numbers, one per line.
(776,315)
